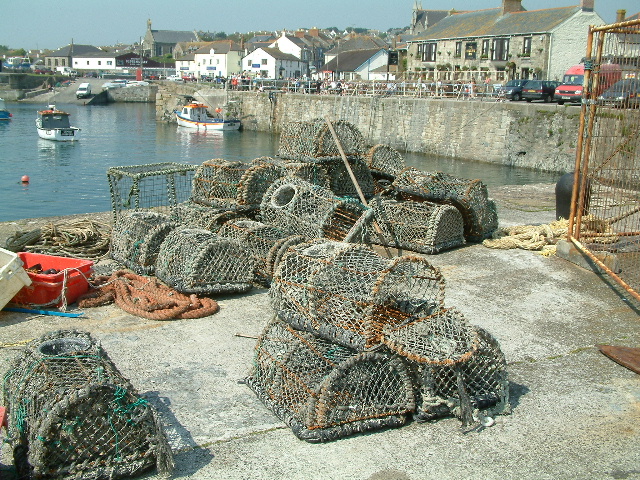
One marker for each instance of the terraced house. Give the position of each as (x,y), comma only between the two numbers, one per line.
(502,43)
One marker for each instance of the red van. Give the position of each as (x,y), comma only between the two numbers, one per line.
(570,90)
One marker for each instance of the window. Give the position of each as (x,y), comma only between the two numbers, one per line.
(470,50)
(526,47)
(87,62)
(485,48)
(429,52)
(249,63)
(264,61)
(458,53)
(99,62)
(500,50)
(109,62)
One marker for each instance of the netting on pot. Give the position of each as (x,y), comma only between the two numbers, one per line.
(483,377)
(215,182)
(314,139)
(423,227)
(298,207)
(258,239)
(255,181)
(469,196)
(194,215)
(340,182)
(325,391)
(199,261)
(348,294)
(72,415)
(136,239)
(384,161)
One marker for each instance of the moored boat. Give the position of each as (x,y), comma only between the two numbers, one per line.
(4,113)
(196,115)
(53,124)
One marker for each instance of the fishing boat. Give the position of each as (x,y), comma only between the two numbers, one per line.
(4,113)
(53,124)
(196,115)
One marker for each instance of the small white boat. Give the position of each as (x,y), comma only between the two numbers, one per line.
(196,115)
(53,124)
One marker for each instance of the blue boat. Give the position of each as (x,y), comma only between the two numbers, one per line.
(4,113)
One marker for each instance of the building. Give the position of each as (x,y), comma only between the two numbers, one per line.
(215,59)
(369,64)
(503,43)
(422,20)
(157,43)
(309,46)
(63,57)
(272,63)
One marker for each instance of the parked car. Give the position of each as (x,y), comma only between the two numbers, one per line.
(539,90)
(175,78)
(512,89)
(117,83)
(624,94)
(84,90)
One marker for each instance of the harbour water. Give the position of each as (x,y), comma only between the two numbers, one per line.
(70,177)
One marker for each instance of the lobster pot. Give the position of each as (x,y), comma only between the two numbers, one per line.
(255,182)
(384,162)
(194,215)
(258,240)
(483,375)
(136,239)
(340,182)
(311,172)
(199,261)
(423,227)
(279,250)
(215,182)
(299,208)
(157,186)
(72,415)
(314,139)
(469,196)
(324,391)
(348,294)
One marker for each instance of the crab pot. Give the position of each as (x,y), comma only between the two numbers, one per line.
(199,261)
(255,181)
(157,186)
(340,182)
(215,182)
(348,294)
(423,227)
(483,375)
(258,240)
(312,172)
(314,139)
(299,208)
(136,239)
(384,162)
(324,391)
(194,215)
(469,196)
(72,415)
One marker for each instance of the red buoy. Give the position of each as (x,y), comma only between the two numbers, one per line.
(25,179)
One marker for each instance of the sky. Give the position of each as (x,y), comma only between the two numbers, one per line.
(41,24)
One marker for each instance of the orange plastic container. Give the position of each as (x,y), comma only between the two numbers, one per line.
(47,289)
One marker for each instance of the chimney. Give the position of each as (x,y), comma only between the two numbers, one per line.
(300,33)
(511,6)
(587,5)
(621,15)
(314,32)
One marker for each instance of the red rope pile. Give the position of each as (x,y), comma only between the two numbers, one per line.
(146,297)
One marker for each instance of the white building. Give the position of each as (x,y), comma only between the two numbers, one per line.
(216,59)
(272,63)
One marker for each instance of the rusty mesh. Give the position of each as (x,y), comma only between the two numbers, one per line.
(194,215)
(258,239)
(255,182)
(215,182)
(324,391)
(136,239)
(469,196)
(72,415)
(299,140)
(348,294)
(340,181)
(299,208)
(483,375)
(199,261)
(385,161)
(423,227)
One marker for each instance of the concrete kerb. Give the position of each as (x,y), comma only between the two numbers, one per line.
(575,412)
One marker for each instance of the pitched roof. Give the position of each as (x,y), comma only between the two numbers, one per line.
(427,18)
(350,61)
(491,22)
(173,36)
(219,46)
(358,42)
(278,55)
(74,49)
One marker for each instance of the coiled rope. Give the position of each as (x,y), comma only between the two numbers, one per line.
(82,239)
(146,297)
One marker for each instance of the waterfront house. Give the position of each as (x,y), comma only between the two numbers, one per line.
(157,43)
(272,63)
(215,59)
(63,57)
(309,46)
(503,43)
(368,64)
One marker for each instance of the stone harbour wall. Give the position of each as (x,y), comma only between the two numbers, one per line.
(530,135)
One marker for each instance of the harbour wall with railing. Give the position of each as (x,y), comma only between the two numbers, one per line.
(530,135)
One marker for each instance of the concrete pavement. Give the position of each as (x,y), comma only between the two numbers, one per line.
(576,413)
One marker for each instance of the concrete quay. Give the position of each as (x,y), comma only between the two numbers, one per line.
(575,413)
